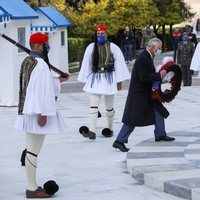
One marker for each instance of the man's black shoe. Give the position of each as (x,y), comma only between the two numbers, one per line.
(121,146)
(164,138)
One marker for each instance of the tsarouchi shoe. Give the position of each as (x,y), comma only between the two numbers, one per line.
(84,131)
(91,135)
(39,193)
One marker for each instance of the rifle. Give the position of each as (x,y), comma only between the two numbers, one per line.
(63,74)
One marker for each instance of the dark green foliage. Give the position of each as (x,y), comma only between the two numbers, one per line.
(76,48)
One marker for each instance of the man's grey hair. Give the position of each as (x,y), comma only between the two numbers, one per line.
(154,42)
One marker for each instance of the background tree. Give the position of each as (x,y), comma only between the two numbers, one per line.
(59,4)
(170,12)
(117,14)
(85,19)
(78,4)
(127,13)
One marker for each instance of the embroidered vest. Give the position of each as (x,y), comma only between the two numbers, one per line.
(106,60)
(27,67)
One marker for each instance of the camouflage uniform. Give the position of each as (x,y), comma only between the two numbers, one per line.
(145,39)
(185,52)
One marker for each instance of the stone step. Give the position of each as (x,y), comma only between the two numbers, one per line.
(171,167)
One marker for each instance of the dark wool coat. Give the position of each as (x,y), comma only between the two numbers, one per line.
(139,107)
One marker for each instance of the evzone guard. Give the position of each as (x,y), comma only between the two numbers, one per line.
(37,113)
(103,69)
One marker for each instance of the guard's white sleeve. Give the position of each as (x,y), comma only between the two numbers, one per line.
(195,63)
(86,66)
(56,83)
(40,96)
(121,69)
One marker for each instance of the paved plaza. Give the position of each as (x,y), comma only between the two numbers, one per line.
(93,170)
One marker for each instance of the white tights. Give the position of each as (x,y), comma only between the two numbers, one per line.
(33,144)
(94,104)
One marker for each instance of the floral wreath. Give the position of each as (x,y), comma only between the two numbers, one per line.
(169,94)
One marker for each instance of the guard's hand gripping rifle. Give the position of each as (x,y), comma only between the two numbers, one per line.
(63,74)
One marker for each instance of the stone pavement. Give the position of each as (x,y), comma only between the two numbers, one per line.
(93,170)
(172,167)
(84,169)
(169,167)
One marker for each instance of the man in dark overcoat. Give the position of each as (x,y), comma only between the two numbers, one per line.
(140,109)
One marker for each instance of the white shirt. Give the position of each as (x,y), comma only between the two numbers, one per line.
(101,85)
(195,63)
(40,99)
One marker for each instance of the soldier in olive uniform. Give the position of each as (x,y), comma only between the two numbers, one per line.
(148,35)
(191,36)
(185,52)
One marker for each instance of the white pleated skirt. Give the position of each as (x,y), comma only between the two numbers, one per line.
(28,123)
(101,86)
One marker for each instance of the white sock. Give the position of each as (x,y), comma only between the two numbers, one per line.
(94,104)
(34,144)
(109,101)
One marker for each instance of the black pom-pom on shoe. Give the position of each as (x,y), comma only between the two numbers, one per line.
(84,131)
(106,132)
(51,187)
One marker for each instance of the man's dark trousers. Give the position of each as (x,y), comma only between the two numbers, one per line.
(159,130)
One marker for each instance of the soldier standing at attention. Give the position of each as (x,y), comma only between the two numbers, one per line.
(185,52)
(37,112)
(148,35)
(191,36)
(176,38)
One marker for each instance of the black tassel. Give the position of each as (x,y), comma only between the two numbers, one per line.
(23,156)
(95,56)
(97,76)
(93,78)
(99,114)
(45,55)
